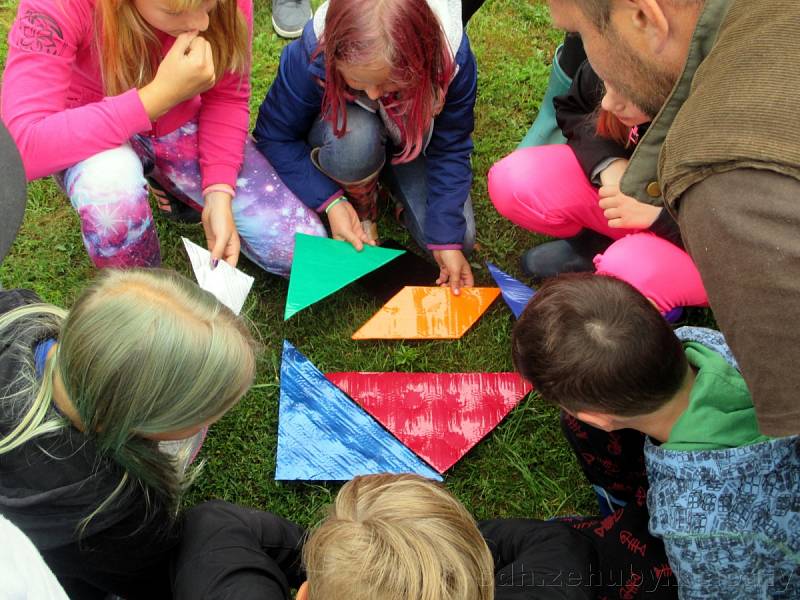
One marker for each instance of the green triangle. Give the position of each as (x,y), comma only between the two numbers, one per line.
(322,266)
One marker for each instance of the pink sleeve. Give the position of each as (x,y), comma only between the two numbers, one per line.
(224,121)
(42,47)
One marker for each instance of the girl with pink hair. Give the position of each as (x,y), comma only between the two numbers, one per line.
(380,88)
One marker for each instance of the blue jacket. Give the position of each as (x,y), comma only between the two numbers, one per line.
(293,104)
(730,519)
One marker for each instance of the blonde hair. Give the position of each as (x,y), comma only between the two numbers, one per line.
(397,537)
(141,352)
(130,51)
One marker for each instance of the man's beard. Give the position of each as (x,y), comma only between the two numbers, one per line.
(648,87)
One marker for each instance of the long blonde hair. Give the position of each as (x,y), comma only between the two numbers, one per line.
(130,51)
(141,352)
(398,537)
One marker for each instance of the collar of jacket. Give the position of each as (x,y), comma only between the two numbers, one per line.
(640,180)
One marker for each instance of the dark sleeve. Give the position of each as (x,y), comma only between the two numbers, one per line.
(448,155)
(538,559)
(285,118)
(576,116)
(665,226)
(11,299)
(130,559)
(742,228)
(235,553)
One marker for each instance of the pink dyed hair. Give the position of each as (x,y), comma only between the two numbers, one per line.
(408,35)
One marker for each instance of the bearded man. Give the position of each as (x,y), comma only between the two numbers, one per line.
(720,78)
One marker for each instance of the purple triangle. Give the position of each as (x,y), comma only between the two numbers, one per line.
(325,436)
(515,293)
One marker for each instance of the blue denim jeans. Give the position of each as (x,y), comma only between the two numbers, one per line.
(364,151)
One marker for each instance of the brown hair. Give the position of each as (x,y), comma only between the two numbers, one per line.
(594,342)
(599,11)
(129,49)
(398,537)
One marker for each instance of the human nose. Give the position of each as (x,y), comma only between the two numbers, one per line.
(373,92)
(197,20)
(612,103)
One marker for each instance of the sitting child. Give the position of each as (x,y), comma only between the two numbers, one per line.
(396,537)
(723,497)
(387,537)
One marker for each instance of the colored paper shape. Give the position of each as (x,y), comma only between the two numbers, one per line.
(515,293)
(408,269)
(428,313)
(440,416)
(228,284)
(322,266)
(325,436)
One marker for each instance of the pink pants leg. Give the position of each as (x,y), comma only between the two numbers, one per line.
(544,189)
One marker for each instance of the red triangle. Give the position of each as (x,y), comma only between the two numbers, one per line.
(439,416)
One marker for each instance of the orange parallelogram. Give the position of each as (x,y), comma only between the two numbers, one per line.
(428,313)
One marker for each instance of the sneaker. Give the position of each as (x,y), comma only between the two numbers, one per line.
(290,16)
(573,255)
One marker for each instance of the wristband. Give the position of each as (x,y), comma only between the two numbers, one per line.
(219,187)
(334,203)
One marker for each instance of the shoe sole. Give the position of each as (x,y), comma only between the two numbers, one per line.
(289,35)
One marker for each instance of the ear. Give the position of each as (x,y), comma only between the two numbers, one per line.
(599,420)
(302,592)
(648,18)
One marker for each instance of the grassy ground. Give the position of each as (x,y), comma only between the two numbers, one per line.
(523,468)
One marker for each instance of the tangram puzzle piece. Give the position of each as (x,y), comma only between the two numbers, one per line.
(322,266)
(515,293)
(323,435)
(428,313)
(407,269)
(440,416)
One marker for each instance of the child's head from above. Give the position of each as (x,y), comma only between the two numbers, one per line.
(130,51)
(386,47)
(142,355)
(397,537)
(622,108)
(149,353)
(594,343)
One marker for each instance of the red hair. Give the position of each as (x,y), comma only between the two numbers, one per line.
(609,126)
(408,35)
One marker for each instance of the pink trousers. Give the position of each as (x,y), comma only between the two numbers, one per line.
(544,189)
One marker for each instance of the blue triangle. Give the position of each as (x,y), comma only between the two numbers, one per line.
(323,435)
(515,293)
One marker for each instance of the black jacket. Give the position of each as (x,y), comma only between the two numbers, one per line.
(49,485)
(230,552)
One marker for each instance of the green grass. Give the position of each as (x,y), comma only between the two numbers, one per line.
(524,467)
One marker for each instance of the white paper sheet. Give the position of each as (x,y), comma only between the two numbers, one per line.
(228,284)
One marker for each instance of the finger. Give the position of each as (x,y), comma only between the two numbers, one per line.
(184,41)
(468,278)
(233,250)
(611,213)
(455,286)
(609,202)
(443,276)
(608,190)
(218,249)
(355,240)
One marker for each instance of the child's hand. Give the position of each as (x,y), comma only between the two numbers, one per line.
(185,71)
(345,225)
(625,212)
(222,238)
(453,270)
(613,173)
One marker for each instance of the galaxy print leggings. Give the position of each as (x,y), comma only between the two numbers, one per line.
(109,193)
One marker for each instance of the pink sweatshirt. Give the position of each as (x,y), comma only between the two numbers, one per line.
(53,103)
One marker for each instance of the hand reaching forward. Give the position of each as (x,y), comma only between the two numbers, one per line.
(454,270)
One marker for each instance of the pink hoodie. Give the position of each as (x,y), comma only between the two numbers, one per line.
(53,102)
